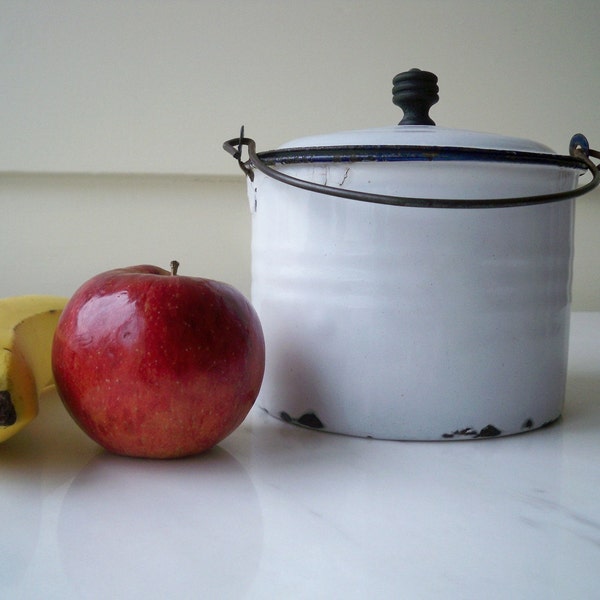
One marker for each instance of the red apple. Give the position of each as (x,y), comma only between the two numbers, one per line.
(154,364)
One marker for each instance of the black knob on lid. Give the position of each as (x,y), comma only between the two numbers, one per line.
(415,92)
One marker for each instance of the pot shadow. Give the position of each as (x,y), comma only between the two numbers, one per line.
(582,404)
(295,375)
(184,528)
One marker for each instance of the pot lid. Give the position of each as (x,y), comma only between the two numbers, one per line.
(416,137)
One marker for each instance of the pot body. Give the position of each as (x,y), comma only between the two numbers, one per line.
(413,323)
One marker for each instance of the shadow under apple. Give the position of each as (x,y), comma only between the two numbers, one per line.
(20,510)
(135,528)
(34,462)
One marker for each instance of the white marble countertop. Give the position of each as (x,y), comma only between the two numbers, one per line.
(281,512)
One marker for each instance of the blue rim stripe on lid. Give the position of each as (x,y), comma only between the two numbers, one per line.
(345,154)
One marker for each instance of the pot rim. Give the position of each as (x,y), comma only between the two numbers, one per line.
(579,149)
(413,153)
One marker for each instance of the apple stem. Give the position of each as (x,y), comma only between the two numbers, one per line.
(174,267)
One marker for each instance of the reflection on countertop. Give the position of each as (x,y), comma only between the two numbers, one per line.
(278,511)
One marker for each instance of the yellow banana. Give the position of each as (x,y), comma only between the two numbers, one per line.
(27,325)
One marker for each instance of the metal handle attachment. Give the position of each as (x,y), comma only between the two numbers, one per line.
(579,149)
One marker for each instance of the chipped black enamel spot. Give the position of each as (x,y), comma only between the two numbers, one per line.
(527,424)
(466,432)
(310,420)
(8,414)
(469,432)
(306,420)
(489,431)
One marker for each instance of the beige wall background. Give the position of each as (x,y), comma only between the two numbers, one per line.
(113,113)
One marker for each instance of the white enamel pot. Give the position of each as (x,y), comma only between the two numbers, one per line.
(414,282)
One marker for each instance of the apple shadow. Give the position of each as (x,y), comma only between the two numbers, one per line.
(140,528)
(53,430)
(45,454)
(21,510)
(52,446)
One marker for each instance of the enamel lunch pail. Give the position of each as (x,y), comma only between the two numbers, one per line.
(413,282)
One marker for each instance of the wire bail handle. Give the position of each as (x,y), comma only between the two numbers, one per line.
(578,148)
(237,153)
